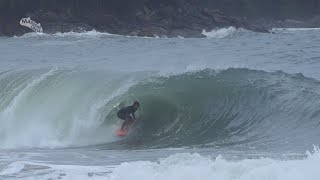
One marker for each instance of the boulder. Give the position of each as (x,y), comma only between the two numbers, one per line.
(148,18)
(51,28)
(152,31)
(315,22)
(187,33)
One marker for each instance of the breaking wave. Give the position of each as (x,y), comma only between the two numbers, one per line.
(232,107)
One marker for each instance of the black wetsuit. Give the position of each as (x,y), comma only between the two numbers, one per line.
(124,113)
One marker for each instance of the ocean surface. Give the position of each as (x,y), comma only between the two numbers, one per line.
(236,105)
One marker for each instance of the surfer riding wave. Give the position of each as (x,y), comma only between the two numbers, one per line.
(127,114)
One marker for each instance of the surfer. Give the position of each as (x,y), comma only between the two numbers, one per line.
(127,114)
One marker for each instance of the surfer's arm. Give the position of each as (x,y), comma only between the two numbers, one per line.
(133,116)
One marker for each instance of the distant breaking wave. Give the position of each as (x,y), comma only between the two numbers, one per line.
(219,33)
(213,34)
(92,33)
(216,33)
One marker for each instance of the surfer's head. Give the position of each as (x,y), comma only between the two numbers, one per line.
(136,104)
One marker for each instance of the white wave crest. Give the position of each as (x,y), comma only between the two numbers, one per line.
(194,166)
(92,33)
(86,33)
(219,33)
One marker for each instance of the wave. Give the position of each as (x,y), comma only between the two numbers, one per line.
(194,166)
(85,34)
(219,33)
(88,34)
(55,108)
(233,107)
(216,33)
(179,166)
(206,108)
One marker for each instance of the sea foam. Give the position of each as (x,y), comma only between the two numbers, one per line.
(195,166)
(219,33)
(181,166)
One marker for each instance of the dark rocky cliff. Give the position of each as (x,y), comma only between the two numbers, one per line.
(156,17)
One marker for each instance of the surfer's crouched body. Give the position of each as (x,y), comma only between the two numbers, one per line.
(127,114)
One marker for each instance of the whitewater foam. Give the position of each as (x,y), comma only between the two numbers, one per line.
(195,166)
(8,115)
(92,33)
(219,33)
(181,166)
(216,33)
(57,108)
(84,34)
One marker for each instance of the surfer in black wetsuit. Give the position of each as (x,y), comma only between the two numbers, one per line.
(127,114)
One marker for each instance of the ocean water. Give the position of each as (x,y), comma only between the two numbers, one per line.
(236,105)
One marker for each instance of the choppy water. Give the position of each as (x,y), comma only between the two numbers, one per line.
(235,105)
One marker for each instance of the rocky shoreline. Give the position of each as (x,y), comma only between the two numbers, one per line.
(163,22)
(167,20)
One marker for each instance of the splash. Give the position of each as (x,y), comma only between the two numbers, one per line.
(219,33)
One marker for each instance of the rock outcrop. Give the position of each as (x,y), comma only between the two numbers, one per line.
(170,18)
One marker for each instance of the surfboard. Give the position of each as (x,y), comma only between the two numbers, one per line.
(125,131)
(122,132)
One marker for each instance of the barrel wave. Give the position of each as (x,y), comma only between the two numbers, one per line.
(233,107)
(206,108)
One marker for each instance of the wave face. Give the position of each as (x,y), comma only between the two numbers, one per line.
(233,107)
(227,108)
